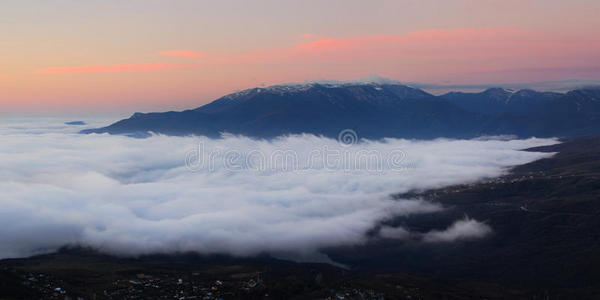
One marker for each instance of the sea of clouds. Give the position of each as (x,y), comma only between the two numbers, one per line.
(234,195)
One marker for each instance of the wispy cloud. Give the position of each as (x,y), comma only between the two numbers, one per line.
(460,230)
(458,49)
(110,68)
(183,53)
(465,229)
(413,55)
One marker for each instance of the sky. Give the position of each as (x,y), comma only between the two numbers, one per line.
(122,56)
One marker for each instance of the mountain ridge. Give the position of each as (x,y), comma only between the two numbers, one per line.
(376,110)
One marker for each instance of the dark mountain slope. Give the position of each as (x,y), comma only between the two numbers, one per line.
(501,101)
(527,112)
(545,217)
(576,113)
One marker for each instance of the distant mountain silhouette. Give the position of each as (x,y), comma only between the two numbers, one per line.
(76,123)
(376,111)
(498,101)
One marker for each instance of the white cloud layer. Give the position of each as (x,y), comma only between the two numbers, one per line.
(465,229)
(136,196)
(460,230)
(396,233)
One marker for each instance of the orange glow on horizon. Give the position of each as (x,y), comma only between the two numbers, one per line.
(157,55)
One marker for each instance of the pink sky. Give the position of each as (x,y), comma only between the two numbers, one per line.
(150,55)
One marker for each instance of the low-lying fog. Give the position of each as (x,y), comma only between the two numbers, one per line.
(233,195)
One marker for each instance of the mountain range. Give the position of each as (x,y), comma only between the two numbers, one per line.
(377,110)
